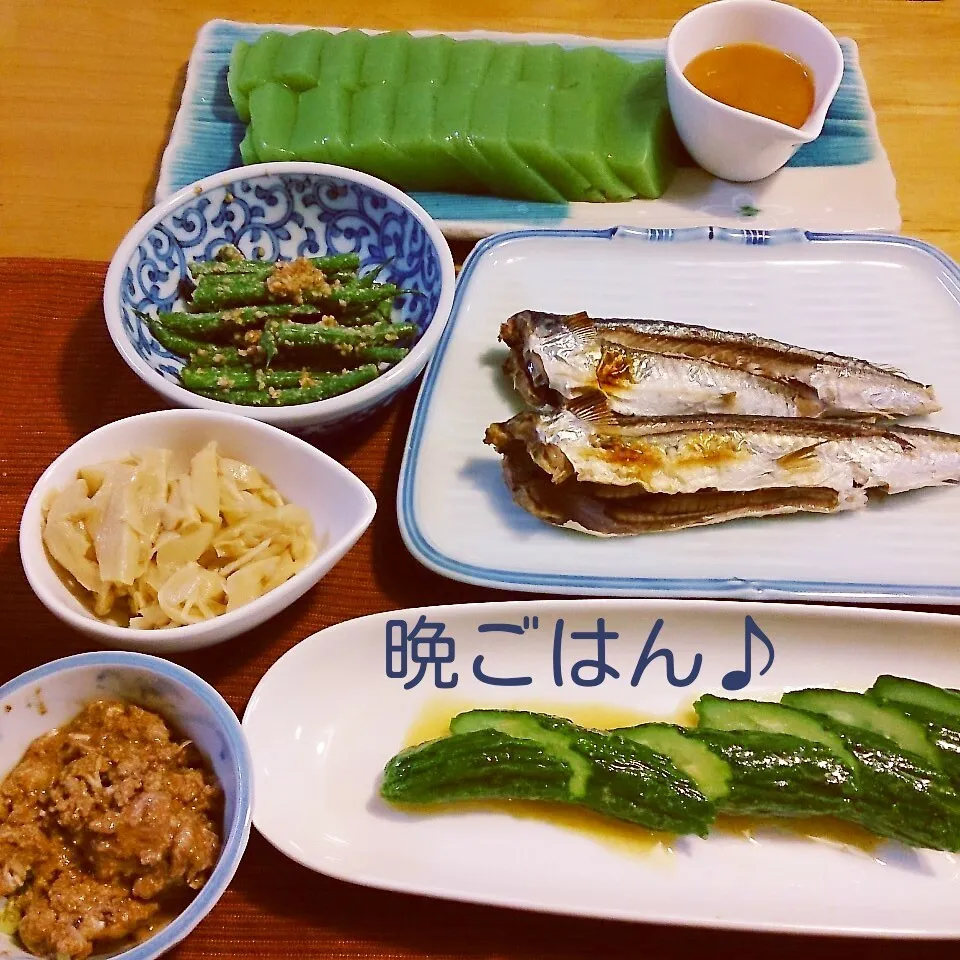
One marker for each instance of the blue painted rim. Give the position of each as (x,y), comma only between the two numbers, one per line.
(731,588)
(238,831)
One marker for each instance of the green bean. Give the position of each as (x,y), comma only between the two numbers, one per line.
(335,263)
(211,379)
(212,325)
(343,341)
(384,354)
(325,386)
(226,290)
(191,349)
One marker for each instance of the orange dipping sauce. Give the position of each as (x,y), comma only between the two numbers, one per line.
(757,79)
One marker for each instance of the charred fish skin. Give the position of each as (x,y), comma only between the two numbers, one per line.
(556,358)
(723,456)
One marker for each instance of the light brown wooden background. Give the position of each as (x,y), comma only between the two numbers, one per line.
(89,88)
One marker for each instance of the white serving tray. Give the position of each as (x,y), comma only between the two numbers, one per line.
(882,298)
(841,181)
(325,719)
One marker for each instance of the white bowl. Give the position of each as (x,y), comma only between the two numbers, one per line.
(340,505)
(730,143)
(284,210)
(48,696)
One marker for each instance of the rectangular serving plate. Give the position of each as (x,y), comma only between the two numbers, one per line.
(882,298)
(326,718)
(841,181)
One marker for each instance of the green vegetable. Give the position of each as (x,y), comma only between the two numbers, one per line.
(212,379)
(859,710)
(325,386)
(334,263)
(711,773)
(777,775)
(338,344)
(900,690)
(197,350)
(607,773)
(717,713)
(222,291)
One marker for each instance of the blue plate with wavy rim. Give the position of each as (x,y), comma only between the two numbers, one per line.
(281,211)
(886,299)
(841,181)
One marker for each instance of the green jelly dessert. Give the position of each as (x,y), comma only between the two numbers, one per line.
(429,58)
(639,135)
(529,130)
(527,121)
(415,134)
(258,63)
(239,97)
(541,63)
(371,147)
(298,59)
(506,63)
(385,58)
(320,131)
(578,135)
(248,153)
(469,61)
(341,58)
(489,123)
(273,112)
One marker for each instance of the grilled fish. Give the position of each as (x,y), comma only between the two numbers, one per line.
(627,475)
(657,368)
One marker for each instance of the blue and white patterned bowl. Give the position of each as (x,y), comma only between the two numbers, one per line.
(49,696)
(280,210)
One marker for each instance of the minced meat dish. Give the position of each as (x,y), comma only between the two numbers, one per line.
(106,825)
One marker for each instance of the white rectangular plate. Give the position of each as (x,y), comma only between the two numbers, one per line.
(326,718)
(841,181)
(886,299)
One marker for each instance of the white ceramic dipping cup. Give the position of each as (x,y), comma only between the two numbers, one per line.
(730,143)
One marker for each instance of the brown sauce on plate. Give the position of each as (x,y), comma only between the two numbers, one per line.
(755,78)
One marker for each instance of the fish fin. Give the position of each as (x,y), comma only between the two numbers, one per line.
(593,407)
(800,457)
(584,330)
(889,368)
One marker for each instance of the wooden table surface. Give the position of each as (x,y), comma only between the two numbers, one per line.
(88,91)
(89,88)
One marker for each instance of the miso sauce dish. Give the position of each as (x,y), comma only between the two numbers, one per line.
(786,48)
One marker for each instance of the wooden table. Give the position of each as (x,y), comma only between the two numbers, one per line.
(87,94)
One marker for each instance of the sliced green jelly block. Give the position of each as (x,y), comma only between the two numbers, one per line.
(319,133)
(258,64)
(371,147)
(640,138)
(589,65)
(234,72)
(415,134)
(470,61)
(489,123)
(273,112)
(577,135)
(541,63)
(506,63)
(429,57)
(385,58)
(529,133)
(298,60)
(341,57)
(248,153)
(451,127)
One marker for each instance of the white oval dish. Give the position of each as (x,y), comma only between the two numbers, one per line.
(341,506)
(325,719)
(42,699)
(730,143)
